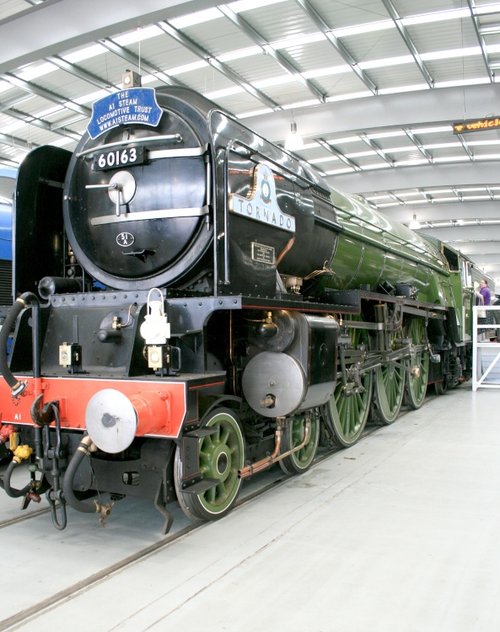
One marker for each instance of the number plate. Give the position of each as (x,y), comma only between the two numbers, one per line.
(118,158)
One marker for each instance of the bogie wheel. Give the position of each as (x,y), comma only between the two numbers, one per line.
(293,435)
(221,455)
(418,374)
(389,390)
(349,407)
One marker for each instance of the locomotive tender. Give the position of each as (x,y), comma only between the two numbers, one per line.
(195,304)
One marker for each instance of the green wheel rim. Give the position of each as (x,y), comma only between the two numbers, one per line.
(349,410)
(349,413)
(294,435)
(416,384)
(389,392)
(221,456)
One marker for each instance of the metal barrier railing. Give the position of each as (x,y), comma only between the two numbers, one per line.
(485,351)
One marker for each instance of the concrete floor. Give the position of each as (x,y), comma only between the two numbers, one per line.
(400,533)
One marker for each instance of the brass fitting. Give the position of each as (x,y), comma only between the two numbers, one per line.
(22,452)
(14,441)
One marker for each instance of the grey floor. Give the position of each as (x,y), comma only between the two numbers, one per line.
(400,533)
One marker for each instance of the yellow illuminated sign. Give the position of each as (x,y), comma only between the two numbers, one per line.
(476,125)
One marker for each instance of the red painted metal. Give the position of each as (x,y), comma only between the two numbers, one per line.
(160,405)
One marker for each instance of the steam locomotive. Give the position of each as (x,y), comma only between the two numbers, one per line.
(195,304)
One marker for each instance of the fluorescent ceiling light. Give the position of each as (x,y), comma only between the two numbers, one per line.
(452,198)
(435,16)
(179,70)
(361,154)
(414,162)
(386,62)
(327,72)
(452,159)
(418,201)
(274,81)
(91,97)
(85,53)
(451,53)
(298,40)
(374,198)
(407,194)
(34,71)
(493,29)
(411,88)
(247,5)
(199,17)
(493,7)
(138,35)
(225,92)
(343,141)
(62,142)
(49,111)
(8,129)
(251,113)
(339,172)
(320,161)
(399,150)
(462,82)
(359,29)
(301,104)
(436,129)
(349,96)
(454,145)
(482,143)
(240,53)
(375,166)
(467,198)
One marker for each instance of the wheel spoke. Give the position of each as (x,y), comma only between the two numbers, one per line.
(389,392)
(294,434)
(221,455)
(418,371)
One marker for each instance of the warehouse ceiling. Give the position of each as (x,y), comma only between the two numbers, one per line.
(372,87)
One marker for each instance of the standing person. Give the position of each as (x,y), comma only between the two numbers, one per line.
(484,290)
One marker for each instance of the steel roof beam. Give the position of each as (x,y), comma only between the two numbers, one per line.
(315,16)
(396,18)
(68,24)
(426,176)
(466,147)
(139,62)
(12,141)
(32,88)
(480,39)
(376,148)
(337,153)
(224,69)
(419,145)
(29,119)
(82,74)
(8,162)
(6,105)
(287,64)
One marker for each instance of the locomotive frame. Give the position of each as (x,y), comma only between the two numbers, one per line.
(204,311)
